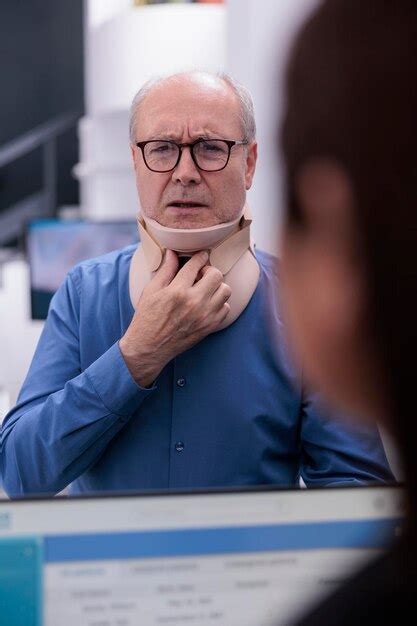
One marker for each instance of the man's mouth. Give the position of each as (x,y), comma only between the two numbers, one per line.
(187,205)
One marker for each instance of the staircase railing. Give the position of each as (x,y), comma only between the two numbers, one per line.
(43,202)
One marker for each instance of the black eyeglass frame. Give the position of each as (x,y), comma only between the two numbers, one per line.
(230,144)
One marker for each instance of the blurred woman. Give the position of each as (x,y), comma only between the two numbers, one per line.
(349,140)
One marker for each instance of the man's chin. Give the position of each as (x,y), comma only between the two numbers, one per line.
(188,218)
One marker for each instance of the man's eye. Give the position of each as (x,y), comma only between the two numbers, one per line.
(214,148)
(211,147)
(159,149)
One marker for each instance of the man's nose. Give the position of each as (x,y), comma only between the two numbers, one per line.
(186,171)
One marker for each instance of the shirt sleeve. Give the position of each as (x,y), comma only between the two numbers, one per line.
(335,449)
(64,417)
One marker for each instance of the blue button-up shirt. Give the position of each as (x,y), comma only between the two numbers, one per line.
(229,411)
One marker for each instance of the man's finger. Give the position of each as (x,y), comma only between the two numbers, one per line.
(220,297)
(187,275)
(166,272)
(210,281)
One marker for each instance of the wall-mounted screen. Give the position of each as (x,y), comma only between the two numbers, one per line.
(55,246)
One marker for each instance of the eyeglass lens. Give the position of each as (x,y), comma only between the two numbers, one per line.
(163,155)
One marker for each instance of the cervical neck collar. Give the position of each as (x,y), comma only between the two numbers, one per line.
(229,248)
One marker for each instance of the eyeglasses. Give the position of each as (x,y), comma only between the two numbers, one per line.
(209,155)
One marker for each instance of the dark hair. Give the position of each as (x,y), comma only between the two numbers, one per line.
(352,96)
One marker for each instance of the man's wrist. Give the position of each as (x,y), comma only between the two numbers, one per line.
(142,369)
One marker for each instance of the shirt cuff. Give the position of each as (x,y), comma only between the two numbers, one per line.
(115,385)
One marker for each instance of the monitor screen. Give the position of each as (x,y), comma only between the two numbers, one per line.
(247,558)
(55,246)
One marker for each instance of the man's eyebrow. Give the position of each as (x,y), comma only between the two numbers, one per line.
(173,137)
(207,136)
(163,137)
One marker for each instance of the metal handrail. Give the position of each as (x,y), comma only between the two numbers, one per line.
(35,138)
(43,136)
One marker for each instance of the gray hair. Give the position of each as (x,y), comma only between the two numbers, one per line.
(247,114)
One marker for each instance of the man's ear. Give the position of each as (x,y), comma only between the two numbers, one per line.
(251,158)
(134,154)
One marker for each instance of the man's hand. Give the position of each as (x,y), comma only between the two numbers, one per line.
(175,311)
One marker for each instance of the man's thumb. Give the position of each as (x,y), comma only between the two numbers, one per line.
(166,272)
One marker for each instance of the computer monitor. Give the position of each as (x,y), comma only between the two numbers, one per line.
(245,557)
(55,246)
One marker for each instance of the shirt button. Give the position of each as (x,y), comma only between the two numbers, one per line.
(179,446)
(181,382)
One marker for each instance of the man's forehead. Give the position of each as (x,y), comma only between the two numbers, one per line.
(170,106)
(175,125)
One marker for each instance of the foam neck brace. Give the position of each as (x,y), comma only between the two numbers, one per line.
(229,248)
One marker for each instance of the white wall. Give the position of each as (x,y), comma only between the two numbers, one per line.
(259,34)
(98,11)
(142,42)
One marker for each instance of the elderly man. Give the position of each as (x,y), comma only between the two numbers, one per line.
(158,366)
